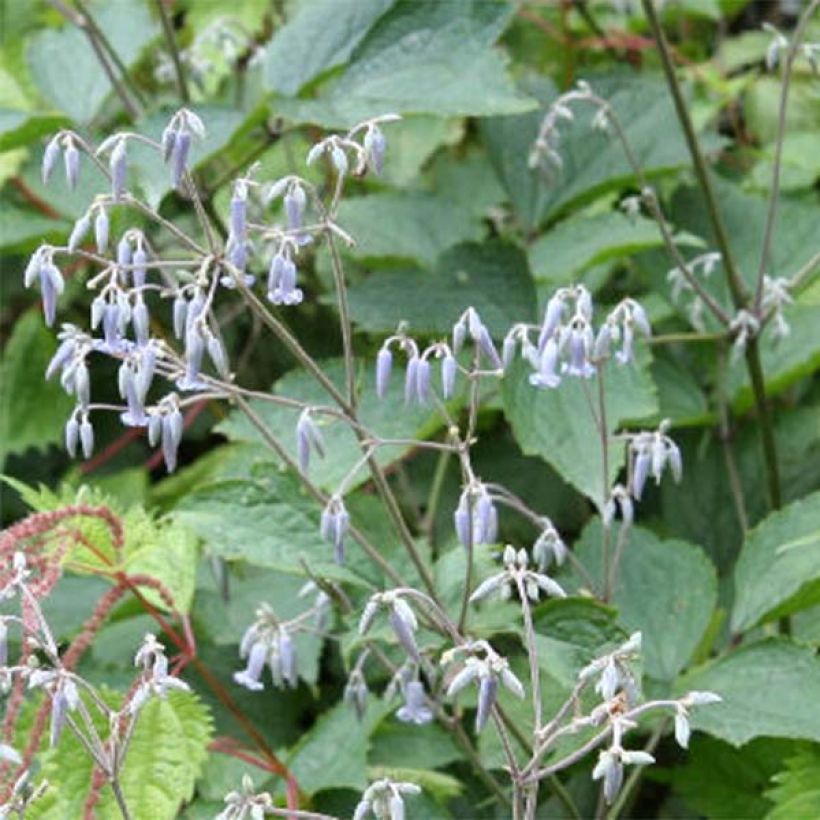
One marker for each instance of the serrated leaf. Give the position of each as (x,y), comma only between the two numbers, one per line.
(65,68)
(421,57)
(567,249)
(317,762)
(778,571)
(33,411)
(387,418)
(558,424)
(151,546)
(770,688)
(667,589)
(492,277)
(321,35)
(167,750)
(413,225)
(797,790)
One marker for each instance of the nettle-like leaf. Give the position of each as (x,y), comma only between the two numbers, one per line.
(167,751)
(770,687)
(667,589)
(422,57)
(32,412)
(797,789)
(778,571)
(157,547)
(558,424)
(492,277)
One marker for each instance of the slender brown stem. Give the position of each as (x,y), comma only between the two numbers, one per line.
(171,39)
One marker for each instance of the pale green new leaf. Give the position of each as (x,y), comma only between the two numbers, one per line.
(797,790)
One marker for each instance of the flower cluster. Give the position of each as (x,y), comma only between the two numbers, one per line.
(383,800)
(650,454)
(517,572)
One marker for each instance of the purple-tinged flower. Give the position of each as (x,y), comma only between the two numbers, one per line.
(611,771)
(287,658)
(194,348)
(50,158)
(552,319)
(138,272)
(34,266)
(140,322)
(547,375)
(487,692)
(308,437)
(295,201)
(168,141)
(101,230)
(71,157)
(334,525)
(81,385)
(124,252)
(52,285)
(384,364)
(640,471)
(79,232)
(111,325)
(485,344)
(86,437)
(423,380)
(118,165)
(411,384)
(603,342)
(375,146)
(416,707)
(448,375)
(72,435)
(339,160)
(626,353)
(356,693)
(239,209)
(285,292)
(404,624)
(250,676)
(180,310)
(63,700)
(179,156)
(172,424)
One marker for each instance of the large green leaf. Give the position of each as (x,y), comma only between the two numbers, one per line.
(667,589)
(167,750)
(421,57)
(33,411)
(387,418)
(770,687)
(778,571)
(410,225)
(593,163)
(579,242)
(67,71)
(492,277)
(333,753)
(558,424)
(321,35)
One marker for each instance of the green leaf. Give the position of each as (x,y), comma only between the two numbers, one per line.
(492,277)
(65,68)
(333,752)
(386,418)
(412,225)
(579,242)
(778,571)
(667,589)
(797,793)
(23,127)
(719,781)
(398,744)
(166,753)
(33,411)
(771,687)
(593,163)
(421,57)
(558,424)
(680,397)
(321,35)
(24,229)
(151,546)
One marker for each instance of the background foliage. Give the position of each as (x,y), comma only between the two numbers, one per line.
(457,219)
